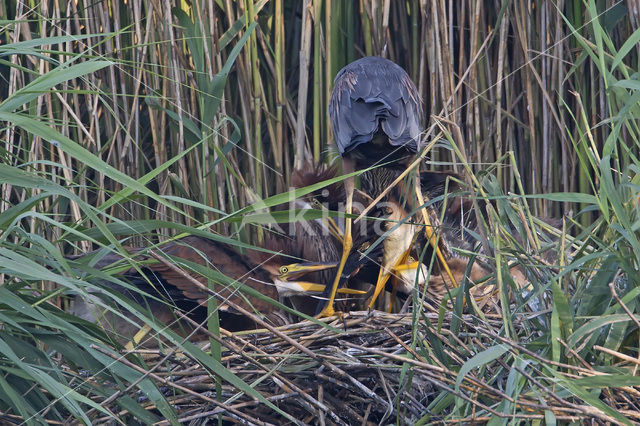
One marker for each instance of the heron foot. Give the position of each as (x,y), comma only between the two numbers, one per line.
(328,311)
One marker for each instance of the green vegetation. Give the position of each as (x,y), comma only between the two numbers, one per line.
(128,123)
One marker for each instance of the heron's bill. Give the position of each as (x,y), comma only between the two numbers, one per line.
(334,229)
(320,288)
(295,270)
(406,267)
(292,288)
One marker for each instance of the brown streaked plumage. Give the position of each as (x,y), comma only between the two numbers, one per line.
(482,290)
(168,284)
(175,291)
(223,259)
(259,270)
(312,241)
(438,285)
(403,239)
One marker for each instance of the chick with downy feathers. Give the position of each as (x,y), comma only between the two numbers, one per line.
(458,233)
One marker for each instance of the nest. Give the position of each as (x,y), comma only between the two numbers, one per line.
(366,369)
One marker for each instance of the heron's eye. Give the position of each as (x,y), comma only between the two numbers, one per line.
(316,203)
(283,270)
(411,259)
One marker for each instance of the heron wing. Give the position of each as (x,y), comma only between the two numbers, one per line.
(370,94)
(163,281)
(191,251)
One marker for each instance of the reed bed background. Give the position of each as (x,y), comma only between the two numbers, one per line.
(512,76)
(147,118)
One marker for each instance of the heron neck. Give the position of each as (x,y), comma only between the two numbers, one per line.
(376,181)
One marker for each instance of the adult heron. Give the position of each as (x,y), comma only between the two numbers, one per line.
(375,112)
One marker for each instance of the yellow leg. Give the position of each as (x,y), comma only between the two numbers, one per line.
(431,236)
(445,265)
(384,275)
(328,222)
(432,240)
(406,266)
(351,291)
(328,310)
(394,292)
(138,337)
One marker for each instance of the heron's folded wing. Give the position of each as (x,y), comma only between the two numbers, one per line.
(372,93)
(191,251)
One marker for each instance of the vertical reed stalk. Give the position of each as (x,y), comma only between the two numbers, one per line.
(257,108)
(301,155)
(328,68)
(318,105)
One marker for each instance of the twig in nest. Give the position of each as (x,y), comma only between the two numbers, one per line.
(229,410)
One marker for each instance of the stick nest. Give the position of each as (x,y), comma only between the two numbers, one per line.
(378,368)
